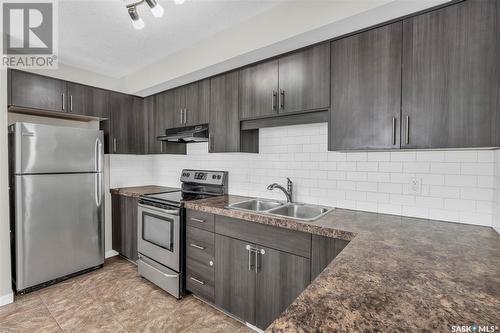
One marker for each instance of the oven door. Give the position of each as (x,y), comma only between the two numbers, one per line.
(159,235)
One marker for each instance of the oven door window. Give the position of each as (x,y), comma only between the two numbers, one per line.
(158,230)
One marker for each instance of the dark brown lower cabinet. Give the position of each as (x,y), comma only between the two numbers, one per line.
(124,225)
(323,251)
(280,278)
(257,283)
(234,278)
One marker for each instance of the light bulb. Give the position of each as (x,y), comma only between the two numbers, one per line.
(179,2)
(138,24)
(157,10)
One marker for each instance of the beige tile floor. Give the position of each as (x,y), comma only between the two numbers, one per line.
(111,299)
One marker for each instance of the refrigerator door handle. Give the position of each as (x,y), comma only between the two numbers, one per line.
(98,154)
(98,185)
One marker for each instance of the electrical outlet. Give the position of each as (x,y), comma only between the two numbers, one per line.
(415,185)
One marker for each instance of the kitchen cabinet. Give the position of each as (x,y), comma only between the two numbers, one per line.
(323,251)
(124,225)
(451,77)
(88,101)
(280,278)
(160,117)
(259,269)
(225,133)
(258,88)
(366,90)
(304,80)
(27,90)
(129,124)
(295,82)
(191,103)
(234,278)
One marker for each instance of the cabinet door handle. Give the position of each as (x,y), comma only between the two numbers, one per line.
(282,99)
(250,252)
(196,280)
(257,253)
(197,246)
(161,147)
(70,103)
(197,220)
(185,116)
(273,100)
(114,145)
(182,115)
(63,101)
(394,130)
(407,130)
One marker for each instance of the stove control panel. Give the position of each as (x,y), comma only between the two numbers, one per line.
(204,177)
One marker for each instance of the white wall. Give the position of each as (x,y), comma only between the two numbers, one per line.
(5,279)
(496,198)
(456,186)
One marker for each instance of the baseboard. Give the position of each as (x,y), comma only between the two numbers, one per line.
(110,253)
(6,299)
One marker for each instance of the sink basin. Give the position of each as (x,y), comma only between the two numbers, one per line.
(256,205)
(301,211)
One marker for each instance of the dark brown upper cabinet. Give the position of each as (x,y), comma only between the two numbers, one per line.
(304,80)
(191,104)
(296,82)
(366,90)
(451,76)
(27,90)
(258,87)
(129,124)
(160,117)
(225,134)
(88,101)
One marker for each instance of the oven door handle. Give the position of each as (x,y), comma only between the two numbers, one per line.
(161,210)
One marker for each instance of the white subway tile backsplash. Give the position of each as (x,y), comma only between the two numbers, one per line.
(458,186)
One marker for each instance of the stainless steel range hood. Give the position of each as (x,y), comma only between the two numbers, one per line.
(197,133)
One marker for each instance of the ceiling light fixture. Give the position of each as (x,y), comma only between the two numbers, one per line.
(137,22)
(156,10)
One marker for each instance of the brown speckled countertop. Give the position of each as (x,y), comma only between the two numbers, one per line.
(137,191)
(396,274)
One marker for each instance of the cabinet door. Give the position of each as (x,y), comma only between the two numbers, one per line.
(280,278)
(323,251)
(35,91)
(197,103)
(160,117)
(124,225)
(304,80)
(129,124)
(450,76)
(224,119)
(234,278)
(258,87)
(88,101)
(178,106)
(366,90)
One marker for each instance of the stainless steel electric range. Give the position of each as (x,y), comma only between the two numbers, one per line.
(162,228)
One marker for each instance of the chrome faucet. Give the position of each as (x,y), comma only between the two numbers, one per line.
(288,192)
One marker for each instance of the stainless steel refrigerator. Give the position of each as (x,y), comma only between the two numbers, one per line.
(56,202)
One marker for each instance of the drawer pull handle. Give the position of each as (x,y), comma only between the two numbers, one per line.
(197,246)
(196,280)
(197,220)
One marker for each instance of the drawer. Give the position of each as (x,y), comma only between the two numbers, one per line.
(160,275)
(201,220)
(200,280)
(200,245)
(291,241)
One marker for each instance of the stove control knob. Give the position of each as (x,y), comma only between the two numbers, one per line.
(214,176)
(218,177)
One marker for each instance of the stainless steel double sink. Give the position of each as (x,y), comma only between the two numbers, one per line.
(299,211)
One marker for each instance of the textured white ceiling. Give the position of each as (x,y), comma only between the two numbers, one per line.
(98,35)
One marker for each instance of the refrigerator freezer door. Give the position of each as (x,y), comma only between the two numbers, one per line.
(59,226)
(56,149)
